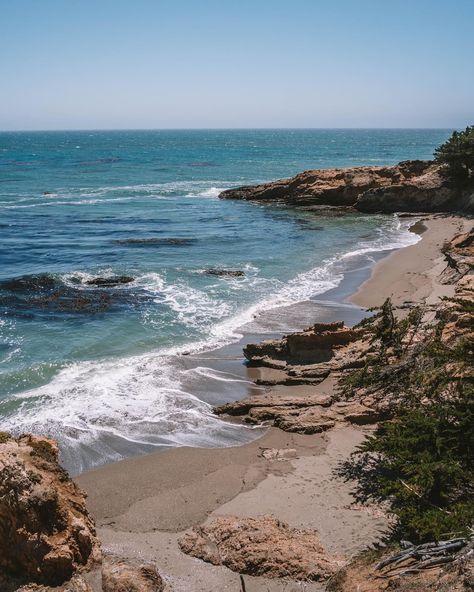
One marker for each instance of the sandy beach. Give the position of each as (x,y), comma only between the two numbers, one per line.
(142,505)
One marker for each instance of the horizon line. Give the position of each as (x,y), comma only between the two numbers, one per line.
(208,129)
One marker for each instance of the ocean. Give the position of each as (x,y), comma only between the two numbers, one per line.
(102,368)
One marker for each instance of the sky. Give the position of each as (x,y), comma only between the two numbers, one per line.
(154,64)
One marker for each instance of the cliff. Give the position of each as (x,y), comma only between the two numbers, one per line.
(47,536)
(410,186)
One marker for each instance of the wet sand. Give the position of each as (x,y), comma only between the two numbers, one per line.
(141,505)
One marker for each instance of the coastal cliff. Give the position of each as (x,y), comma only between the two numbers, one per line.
(410,186)
(48,539)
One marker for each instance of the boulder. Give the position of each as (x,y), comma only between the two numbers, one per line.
(128,576)
(260,547)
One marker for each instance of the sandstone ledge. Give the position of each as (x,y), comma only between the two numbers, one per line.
(410,186)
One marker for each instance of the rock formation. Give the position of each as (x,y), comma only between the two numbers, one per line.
(410,186)
(260,547)
(304,358)
(110,282)
(225,272)
(326,354)
(127,576)
(46,533)
(48,541)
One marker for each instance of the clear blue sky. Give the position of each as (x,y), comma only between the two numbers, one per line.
(89,64)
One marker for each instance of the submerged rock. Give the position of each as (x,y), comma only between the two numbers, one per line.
(50,294)
(260,547)
(29,283)
(155,241)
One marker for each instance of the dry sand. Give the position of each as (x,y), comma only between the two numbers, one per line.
(143,504)
(411,274)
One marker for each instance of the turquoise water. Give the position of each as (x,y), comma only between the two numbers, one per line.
(95,366)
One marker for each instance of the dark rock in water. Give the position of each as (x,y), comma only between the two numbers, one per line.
(154,241)
(202,163)
(49,294)
(225,272)
(110,282)
(65,300)
(29,283)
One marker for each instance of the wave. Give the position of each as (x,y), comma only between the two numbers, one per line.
(104,410)
(106,194)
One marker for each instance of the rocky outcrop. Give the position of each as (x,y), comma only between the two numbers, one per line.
(316,344)
(48,541)
(410,186)
(305,358)
(324,356)
(260,547)
(46,533)
(459,254)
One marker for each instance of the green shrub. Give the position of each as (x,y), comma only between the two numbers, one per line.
(422,462)
(457,154)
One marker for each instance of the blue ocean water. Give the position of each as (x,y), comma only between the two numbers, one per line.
(96,366)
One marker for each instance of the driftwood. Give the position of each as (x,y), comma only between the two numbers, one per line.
(414,558)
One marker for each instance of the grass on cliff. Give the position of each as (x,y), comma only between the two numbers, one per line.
(421,460)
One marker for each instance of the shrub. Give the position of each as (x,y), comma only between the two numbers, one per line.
(457,154)
(423,463)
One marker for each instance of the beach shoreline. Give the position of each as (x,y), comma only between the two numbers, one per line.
(142,504)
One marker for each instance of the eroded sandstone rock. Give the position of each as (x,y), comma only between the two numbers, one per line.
(46,533)
(410,186)
(128,576)
(260,547)
(316,344)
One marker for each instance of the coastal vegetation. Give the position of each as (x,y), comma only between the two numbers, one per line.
(421,459)
(457,154)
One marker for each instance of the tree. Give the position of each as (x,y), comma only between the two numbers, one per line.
(457,154)
(422,462)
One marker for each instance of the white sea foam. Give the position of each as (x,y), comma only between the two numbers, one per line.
(98,410)
(191,306)
(106,194)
